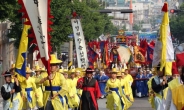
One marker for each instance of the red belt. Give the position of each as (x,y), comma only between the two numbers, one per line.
(182,108)
(91,90)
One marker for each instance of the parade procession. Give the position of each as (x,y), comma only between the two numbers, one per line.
(111,72)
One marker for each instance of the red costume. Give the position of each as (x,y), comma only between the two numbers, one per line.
(90,93)
(182,108)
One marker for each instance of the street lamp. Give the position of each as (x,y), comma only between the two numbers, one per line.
(176,11)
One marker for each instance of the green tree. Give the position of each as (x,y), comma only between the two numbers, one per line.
(61,23)
(176,25)
(8,9)
(124,28)
(136,27)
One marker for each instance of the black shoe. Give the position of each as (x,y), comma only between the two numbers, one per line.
(42,108)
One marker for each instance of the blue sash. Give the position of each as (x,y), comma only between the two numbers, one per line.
(78,96)
(66,99)
(55,88)
(123,87)
(116,90)
(28,90)
(61,99)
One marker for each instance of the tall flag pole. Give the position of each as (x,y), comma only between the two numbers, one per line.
(167,53)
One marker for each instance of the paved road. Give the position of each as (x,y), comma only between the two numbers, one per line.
(1,104)
(139,104)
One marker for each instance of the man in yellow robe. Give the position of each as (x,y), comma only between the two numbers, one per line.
(128,85)
(39,89)
(150,91)
(114,90)
(128,77)
(59,87)
(68,82)
(73,96)
(124,98)
(29,90)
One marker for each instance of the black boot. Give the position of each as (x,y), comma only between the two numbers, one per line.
(42,108)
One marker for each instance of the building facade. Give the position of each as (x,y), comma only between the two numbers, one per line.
(7,49)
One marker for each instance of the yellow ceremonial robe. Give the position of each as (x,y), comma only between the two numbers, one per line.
(126,101)
(29,84)
(112,97)
(57,81)
(73,98)
(39,91)
(128,90)
(129,79)
(178,97)
(67,100)
(169,105)
(151,95)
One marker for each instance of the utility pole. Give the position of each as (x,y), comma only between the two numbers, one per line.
(131,16)
(70,59)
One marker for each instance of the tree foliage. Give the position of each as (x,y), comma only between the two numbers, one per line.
(136,27)
(8,9)
(176,25)
(93,23)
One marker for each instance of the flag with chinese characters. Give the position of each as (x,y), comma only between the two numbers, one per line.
(80,44)
(38,15)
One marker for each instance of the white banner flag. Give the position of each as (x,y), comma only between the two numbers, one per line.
(79,43)
(38,19)
(169,47)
